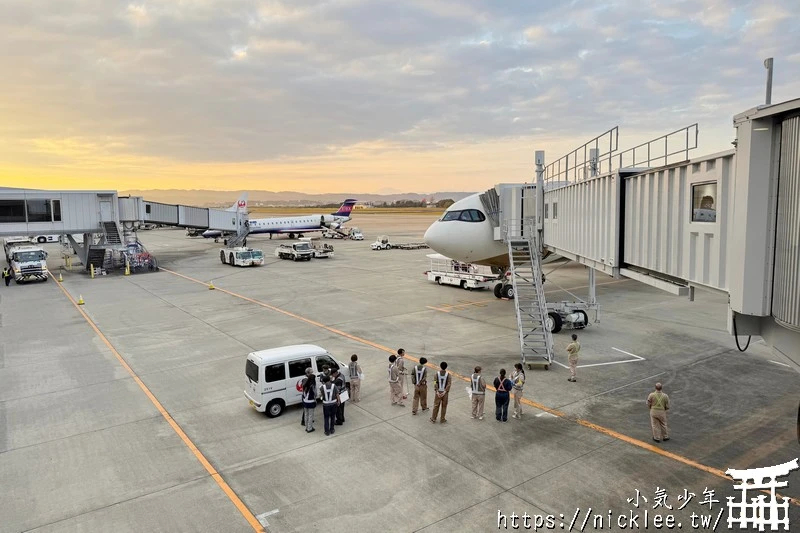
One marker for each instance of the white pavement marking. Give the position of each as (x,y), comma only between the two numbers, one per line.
(782,364)
(262,518)
(637,358)
(546,413)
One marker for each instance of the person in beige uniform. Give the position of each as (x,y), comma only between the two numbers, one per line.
(394,382)
(441,386)
(518,379)
(401,367)
(478,393)
(419,375)
(573,349)
(658,403)
(354,370)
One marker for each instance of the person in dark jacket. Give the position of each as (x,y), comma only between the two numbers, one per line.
(502,397)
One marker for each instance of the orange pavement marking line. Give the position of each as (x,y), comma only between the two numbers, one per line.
(251,519)
(555,412)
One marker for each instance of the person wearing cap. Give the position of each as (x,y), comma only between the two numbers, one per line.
(419,375)
(441,387)
(355,379)
(401,367)
(338,380)
(658,403)
(330,399)
(478,393)
(395,389)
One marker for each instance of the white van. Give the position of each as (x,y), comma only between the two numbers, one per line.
(272,376)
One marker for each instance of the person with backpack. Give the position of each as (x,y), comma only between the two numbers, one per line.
(518,379)
(503,387)
(309,401)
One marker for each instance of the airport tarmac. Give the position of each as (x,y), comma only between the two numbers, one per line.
(141,423)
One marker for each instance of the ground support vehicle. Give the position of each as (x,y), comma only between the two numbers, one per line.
(356,235)
(446,271)
(241,256)
(382,243)
(322,250)
(296,251)
(26,261)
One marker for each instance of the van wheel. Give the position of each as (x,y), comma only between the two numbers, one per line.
(274,408)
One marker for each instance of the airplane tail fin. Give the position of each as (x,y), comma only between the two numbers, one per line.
(346,208)
(240,204)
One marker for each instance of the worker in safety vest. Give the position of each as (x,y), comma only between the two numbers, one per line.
(441,387)
(330,399)
(309,401)
(7,276)
(419,376)
(355,379)
(401,367)
(395,389)
(478,393)
(658,403)
(300,385)
(338,380)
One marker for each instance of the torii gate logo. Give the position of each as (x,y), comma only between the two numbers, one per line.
(242,203)
(760,513)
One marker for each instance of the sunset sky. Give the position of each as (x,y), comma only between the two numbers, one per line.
(366,96)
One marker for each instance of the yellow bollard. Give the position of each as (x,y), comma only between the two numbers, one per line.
(80,299)
(91,270)
(60,278)
(211,286)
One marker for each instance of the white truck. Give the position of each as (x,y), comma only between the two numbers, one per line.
(26,260)
(446,271)
(382,243)
(241,256)
(297,251)
(319,249)
(356,235)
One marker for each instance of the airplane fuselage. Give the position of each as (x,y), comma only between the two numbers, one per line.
(291,224)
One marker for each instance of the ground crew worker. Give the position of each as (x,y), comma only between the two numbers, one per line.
(518,379)
(7,276)
(395,389)
(658,403)
(441,384)
(309,401)
(330,399)
(401,367)
(355,379)
(420,378)
(503,388)
(338,380)
(478,393)
(301,385)
(572,349)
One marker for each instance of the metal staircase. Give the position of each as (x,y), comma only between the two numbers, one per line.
(111,233)
(535,339)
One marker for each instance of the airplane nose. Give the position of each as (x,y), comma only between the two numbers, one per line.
(434,237)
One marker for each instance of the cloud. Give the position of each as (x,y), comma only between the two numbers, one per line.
(201,84)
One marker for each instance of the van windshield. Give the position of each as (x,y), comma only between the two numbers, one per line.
(302,246)
(251,370)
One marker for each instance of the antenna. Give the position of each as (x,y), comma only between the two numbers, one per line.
(768,66)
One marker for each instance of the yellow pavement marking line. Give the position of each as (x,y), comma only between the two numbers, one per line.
(254,523)
(537,405)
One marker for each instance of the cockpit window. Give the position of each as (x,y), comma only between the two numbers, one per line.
(467,215)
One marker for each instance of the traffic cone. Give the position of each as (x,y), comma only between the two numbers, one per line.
(60,278)
(80,299)
(211,286)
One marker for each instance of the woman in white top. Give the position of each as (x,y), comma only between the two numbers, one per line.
(518,379)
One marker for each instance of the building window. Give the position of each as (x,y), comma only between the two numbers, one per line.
(555,210)
(12,210)
(56,210)
(704,202)
(546,211)
(39,211)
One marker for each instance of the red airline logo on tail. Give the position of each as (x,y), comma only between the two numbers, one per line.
(242,203)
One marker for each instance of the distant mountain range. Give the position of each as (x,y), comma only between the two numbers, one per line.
(207,198)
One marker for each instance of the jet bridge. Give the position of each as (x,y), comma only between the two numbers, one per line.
(104,214)
(728,221)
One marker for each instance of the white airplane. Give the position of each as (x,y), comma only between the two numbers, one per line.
(293,225)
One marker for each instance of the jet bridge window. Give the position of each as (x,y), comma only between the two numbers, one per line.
(704,202)
(39,211)
(12,210)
